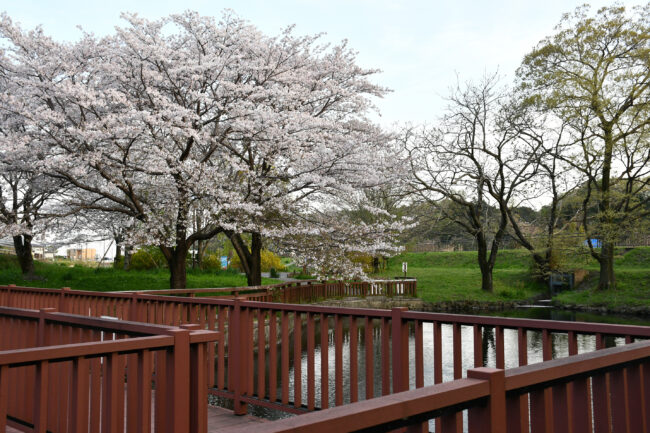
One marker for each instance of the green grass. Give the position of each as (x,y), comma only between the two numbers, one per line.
(632,290)
(79,277)
(455,276)
(632,269)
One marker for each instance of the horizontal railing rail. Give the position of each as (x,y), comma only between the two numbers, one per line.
(298,358)
(66,373)
(302,291)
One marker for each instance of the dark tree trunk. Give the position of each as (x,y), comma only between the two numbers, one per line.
(484,264)
(375,264)
(127,257)
(607,280)
(118,251)
(23,247)
(176,261)
(200,252)
(542,265)
(251,260)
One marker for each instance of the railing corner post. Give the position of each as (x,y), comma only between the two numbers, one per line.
(491,417)
(178,397)
(198,382)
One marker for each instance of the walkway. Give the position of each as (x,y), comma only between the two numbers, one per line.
(218,419)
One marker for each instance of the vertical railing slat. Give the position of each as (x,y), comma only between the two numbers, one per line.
(297,359)
(369,358)
(311,376)
(354,360)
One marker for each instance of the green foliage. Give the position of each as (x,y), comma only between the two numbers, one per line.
(365,260)
(119,263)
(211,262)
(269,260)
(455,276)
(147,258)
(274,273)
(57,275)
(569,250)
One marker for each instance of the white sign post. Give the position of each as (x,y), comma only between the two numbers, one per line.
(404,268)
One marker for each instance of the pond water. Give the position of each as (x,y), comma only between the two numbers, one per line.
(560,349)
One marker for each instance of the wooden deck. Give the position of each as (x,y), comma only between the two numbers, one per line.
(218,419)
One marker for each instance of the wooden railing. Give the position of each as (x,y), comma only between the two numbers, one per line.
(68,373)
(298,358)
(603,391)
(305,291)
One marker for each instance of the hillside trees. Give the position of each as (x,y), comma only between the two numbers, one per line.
(184,114)
(593,73)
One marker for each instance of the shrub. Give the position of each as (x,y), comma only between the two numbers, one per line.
(211,262)
(269,260)
(147,258)
(119,263)
(365,260)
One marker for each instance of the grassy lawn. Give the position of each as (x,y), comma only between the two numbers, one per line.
(632,270)
(455,276)
(442,277)
(79,277)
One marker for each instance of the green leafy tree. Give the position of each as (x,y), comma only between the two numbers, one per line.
(594,75)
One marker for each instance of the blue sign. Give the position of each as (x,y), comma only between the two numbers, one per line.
(595,243)
(224,262)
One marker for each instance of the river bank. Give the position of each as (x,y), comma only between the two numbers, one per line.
(533,308)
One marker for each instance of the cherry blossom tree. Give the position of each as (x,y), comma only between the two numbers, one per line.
(184,113)
(27,195)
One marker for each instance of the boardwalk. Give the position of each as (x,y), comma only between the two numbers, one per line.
(218,419)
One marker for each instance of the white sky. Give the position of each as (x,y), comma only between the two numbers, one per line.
(422,47)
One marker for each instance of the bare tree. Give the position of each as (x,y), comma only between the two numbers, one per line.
(473,160)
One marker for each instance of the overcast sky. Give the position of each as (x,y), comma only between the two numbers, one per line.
(422,47)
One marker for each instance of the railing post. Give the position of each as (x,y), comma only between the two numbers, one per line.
(400,354)
(8,302)
(133,308)
(40,333)
(62,299)
(237,355)
(198,384)
(490,418)
(178,387)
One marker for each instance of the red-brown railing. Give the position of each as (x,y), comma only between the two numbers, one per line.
(299,358)
(304,291)
(67,373)
(603,391)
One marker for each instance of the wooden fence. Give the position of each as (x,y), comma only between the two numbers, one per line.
(602,391)
(299,358)
(68,373)
(303,291)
